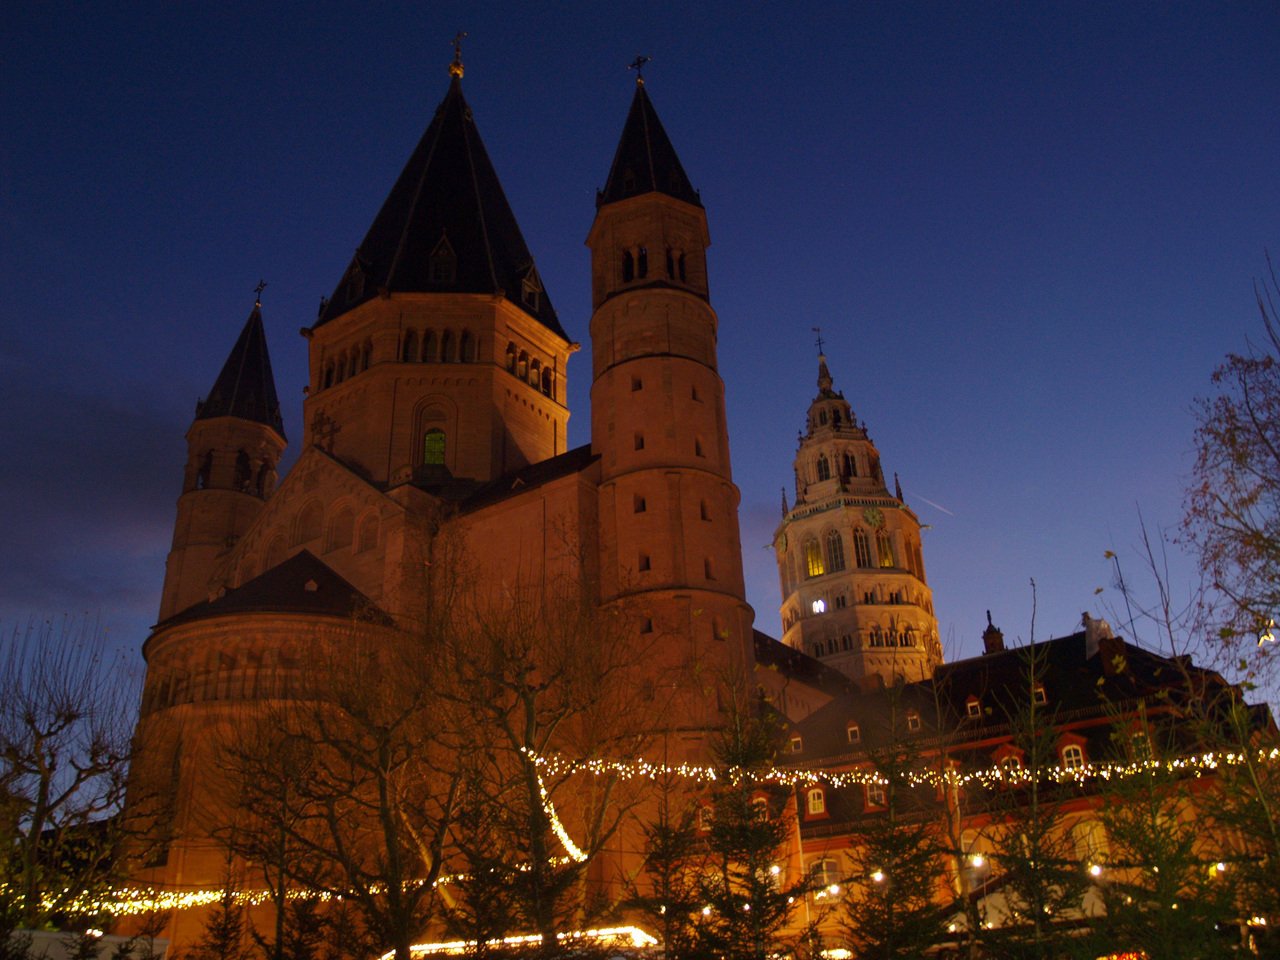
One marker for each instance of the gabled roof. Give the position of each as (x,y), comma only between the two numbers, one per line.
(446,226)
(246,388)
(645,161)
(301,584)
(534,475)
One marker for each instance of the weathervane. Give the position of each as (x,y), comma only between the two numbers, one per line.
(455,68)
(818,331)
(257,291)
(638,66)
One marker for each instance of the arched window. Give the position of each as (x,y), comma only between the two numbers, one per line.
(884,549)
(522,365)
(835,551)
(466,348)
(410,353)
(354,365)
(244,472)
(642,262)
(680,264)
(813,559)
(671,264)
(824,468)
(628,267)
(328,374)
(206,468)
(535,373)
(428,346)
(548,383)
(341,366)
(815,801)
(850,465)
(822,417)
(433,448)
(446,347)
(861,548)
(1072,757)
(366,355)
(511,358)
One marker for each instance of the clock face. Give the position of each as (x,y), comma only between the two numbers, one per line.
(873,516)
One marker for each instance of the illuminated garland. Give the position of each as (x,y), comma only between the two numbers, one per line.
(1197,765)
(621,936)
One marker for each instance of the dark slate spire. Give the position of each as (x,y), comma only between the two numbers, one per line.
(245,388)
(446,226)
(646,162)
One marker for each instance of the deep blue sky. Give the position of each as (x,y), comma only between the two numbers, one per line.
(1028,232)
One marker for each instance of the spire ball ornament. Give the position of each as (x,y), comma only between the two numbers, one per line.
(455,67)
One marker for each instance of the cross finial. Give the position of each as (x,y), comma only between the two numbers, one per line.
(257,292)
(455,68)
(638,66)
(818,331)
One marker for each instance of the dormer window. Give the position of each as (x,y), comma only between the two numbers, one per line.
(853,733)
(797,744)
(913,721)
(816,801)
(443,263)
(973,708)
(1038,695)
(531,291)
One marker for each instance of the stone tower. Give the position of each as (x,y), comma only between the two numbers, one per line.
(439,355)
(233,448)
(669,541)
(849,555)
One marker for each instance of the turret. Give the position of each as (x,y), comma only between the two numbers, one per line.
(233,452)
(849,554)
(668,505)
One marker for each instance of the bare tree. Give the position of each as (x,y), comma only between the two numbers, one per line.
(1233,506)
(66,712)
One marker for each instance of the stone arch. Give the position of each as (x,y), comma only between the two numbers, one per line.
(341,528)
(367,532)
(310,523)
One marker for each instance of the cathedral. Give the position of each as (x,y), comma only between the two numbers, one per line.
(435,427)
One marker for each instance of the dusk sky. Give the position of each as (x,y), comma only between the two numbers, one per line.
(1027,231)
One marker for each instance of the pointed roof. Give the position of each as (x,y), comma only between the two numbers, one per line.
(646,162)
(302,584)
(445,226)
(246,388)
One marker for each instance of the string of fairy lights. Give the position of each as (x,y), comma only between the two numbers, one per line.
(133,901)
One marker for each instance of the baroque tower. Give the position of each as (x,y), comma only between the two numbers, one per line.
(233,448)
(849,555)
(669,541)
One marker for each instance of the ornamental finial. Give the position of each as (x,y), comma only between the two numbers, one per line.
(638,66)
(455,68)
(257,293)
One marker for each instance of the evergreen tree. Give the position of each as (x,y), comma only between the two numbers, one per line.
(669,896)
(225,933)
(890,908)
(747,902)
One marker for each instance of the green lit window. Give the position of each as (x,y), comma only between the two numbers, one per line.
(433,448)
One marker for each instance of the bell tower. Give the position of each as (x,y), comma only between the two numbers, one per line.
(233,449)
(849,554)
(668,506)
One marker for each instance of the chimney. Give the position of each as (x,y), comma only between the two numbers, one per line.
(1099,640)
(992,638)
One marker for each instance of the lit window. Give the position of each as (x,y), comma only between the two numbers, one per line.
(875,795)
(1072,758)
(854,733)
(797,744)
(816,802)
(819,606)
(885,549)
(433,448)
(1010,765)
(973,707)
(825,873)
(813,559)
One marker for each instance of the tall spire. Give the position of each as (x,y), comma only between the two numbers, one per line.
(645,161)
(246,388)
(446,225)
